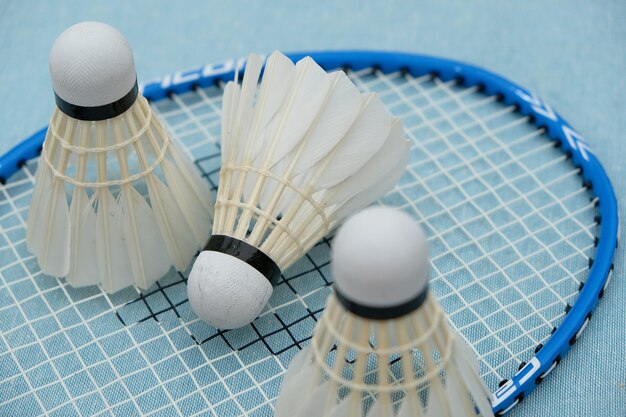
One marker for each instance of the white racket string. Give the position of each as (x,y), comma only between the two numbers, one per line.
(511,231)
(512,340)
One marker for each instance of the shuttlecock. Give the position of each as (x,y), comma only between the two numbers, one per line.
(298,155)
(138,206)
(383,346)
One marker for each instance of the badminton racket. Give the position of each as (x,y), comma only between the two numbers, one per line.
(522,225)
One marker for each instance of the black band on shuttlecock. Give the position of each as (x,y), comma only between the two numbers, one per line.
(381,313)
(106,111)
(247,253)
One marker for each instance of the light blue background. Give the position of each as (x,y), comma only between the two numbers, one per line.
(573,53)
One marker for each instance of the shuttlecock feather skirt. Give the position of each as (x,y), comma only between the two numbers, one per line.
(300,151)
(411,366)
(115,202)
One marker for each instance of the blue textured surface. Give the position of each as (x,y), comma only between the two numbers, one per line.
(572,53)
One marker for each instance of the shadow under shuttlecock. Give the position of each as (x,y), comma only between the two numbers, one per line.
(287,322)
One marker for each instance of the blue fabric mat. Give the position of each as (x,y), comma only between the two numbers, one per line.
(572,53)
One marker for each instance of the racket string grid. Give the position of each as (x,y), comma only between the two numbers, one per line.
(489,190)
(114,341)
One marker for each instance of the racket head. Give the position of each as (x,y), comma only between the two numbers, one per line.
(298,302)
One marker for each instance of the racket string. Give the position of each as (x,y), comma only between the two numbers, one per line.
(456,129)
(506,148)
(547,322)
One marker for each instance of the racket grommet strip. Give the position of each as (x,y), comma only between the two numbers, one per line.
(518,400)
(606,284)
(376,69)
(582,327)
(544,374)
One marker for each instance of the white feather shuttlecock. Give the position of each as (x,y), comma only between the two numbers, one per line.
(299,153)
(383,346)
(136,205)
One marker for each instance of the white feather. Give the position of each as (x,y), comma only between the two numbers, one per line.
(406,410)
(457,397)
(192,200)
(54,256)
(436,406)
(380,409)
(43,180)
(301,106)
(245,102)
(361,142)
(177,234)
(229,144)
(83,254)
(199,186)
(38,212)
(235,128)
(229,107)
(373,192)
(468,368)
(338,114)
(313,406)
(113,260)
(342,409)
(149,259)
(299,375)
(392,154)
(290,124)
(277,79)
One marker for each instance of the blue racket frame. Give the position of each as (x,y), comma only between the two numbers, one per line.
(546,356)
